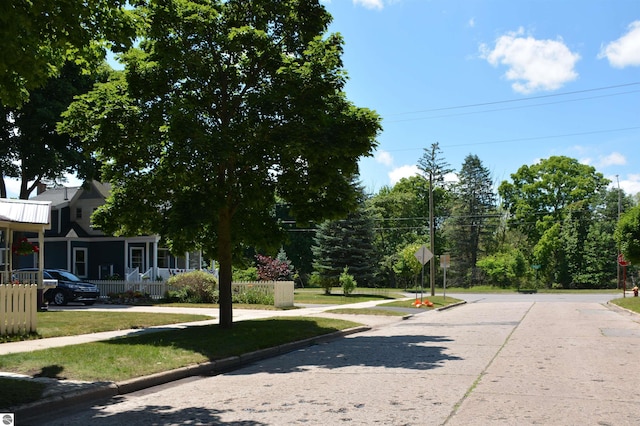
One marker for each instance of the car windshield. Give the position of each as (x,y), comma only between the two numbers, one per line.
(64,275)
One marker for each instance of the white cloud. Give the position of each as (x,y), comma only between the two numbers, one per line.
(630,185)
(613,159)
(471,23)
(624,51)
(384,157)
(534,65)
(403,172)
(370,4)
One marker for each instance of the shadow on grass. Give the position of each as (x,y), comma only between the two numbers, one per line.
(246,336)
(51,371)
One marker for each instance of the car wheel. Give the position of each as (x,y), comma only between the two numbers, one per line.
(89,303)
(59,298)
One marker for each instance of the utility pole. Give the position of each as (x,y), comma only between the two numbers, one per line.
(432,238)
(619,212)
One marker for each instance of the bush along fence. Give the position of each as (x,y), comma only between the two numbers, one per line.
(18,308)
(278,293)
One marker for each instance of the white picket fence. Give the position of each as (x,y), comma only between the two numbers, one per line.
(18,308)
(282,290)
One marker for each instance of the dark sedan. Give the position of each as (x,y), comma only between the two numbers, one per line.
(70,288)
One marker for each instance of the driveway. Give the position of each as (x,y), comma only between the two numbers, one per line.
(511,361)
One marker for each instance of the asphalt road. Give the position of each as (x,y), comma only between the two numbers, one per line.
(500,359)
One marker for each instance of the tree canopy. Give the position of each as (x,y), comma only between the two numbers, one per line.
(39,36)
(224,105)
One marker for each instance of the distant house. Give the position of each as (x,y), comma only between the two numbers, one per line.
(73,244)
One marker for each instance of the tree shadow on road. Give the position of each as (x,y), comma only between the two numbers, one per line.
(406,352)
(154,415)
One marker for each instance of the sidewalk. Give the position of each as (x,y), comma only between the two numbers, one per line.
(67,392)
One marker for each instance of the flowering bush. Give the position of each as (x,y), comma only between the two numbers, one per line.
(24,247)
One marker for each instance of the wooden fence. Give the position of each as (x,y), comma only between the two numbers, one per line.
(18,308)
(282,290)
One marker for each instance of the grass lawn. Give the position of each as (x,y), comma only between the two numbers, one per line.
(438,302)
(631,303)
(70,323)
(130,357)
(316,296)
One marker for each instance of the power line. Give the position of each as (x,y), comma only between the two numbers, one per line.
(533,138)
(509,108)
(516,100)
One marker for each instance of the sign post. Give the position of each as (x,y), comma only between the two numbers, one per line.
(624,265)
(423,255)
(445,262)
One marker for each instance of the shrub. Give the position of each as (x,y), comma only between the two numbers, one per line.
(193,287)
(316,280)
(253,296)
(249,274)
(347,282)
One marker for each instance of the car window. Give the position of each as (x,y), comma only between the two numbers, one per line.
(64,275)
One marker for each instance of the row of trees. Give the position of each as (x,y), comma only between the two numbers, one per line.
(552,224)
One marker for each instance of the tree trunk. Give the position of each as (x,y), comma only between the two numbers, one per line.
(225,261)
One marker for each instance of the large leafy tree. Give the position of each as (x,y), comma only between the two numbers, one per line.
(627,234)
(541,198)
(473,218)
(39,36)
(33,150)
(225,105)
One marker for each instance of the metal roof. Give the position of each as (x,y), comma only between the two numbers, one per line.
(25,211)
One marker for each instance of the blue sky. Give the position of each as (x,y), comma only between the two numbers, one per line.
(512,82)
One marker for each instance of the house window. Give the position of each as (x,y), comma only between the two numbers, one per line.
(80,261)
(163,258)
(136,258)
(78,213)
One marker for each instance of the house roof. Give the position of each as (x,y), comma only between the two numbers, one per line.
(25,213)
(63,196)
(58,197)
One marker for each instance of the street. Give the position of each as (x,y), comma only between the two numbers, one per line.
(499,359)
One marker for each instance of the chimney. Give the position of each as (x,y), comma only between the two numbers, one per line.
(41,188)
(66,195)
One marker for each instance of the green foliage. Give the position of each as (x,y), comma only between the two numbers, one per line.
(504,269)
(627,235)
(248,274)
(347,242)
(42,35)
(317,280)
(31,149)
(347,282)
(253,296)
(406,265)
(193,287)
(473,222)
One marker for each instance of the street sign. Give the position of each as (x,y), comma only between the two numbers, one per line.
(423,255)
(445,260)
(621,260)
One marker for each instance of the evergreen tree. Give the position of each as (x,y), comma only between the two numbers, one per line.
(473,219)
(347,243)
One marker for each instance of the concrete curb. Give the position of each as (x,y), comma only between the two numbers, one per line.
(618,308)
(109,390)
(444,308)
